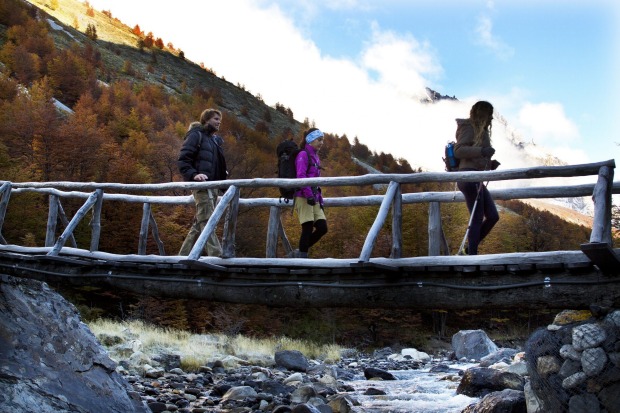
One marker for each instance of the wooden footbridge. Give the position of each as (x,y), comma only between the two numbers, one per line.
(558,279)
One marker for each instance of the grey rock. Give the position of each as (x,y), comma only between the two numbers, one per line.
(480,381)
(51,361)
(291,360)
(588,336)
(472,344)
(584,403)
(375,373)
(593,361)
(505,401)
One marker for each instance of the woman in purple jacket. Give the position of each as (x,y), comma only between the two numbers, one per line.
(308,200)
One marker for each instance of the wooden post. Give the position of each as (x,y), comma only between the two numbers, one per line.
(155,231)
(230,227)
(144,228)
(272,231)
(92,200)
(601,226)
(52,220)
(397,224)
(194,254)
(5,194)
(95,223)
(373,233)
(435,232)
(65,223)
(285,242)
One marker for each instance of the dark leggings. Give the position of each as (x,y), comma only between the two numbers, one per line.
(311,232)
(485,216)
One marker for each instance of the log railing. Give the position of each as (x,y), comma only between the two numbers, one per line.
(95,194)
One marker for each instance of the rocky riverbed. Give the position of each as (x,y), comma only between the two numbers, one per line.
(51,362)
(292,384)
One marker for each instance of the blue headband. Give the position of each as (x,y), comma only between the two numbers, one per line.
(315,134)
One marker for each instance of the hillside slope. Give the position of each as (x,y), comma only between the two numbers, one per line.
(164,67)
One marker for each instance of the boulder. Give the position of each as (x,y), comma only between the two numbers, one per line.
(480,381)
(472,345)
(291,360)
(50,360)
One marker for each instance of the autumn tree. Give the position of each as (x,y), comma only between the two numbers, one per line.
(27,50)
(12,13)
(71,75)
(23,65)
(81,142)
(148,40)
(128,68)
(30,124)
(91,31)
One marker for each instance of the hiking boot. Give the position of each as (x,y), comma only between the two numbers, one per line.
(292,254)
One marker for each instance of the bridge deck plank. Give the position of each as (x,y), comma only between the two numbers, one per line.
(457,283)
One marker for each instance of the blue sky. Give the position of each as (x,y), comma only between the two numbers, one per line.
(359,67)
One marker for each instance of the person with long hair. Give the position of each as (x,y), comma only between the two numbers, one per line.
(309,200)
(473,149)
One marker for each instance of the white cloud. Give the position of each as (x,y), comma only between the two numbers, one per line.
(401,61)
(485,37)
(374,96)
(547,123)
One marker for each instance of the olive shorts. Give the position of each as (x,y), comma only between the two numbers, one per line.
(308,213)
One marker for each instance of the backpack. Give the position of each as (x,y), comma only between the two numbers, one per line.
(451,161)
(287,151)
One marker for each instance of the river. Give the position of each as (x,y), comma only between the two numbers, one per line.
(415,391)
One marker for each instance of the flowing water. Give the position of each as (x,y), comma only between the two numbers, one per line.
(415,391)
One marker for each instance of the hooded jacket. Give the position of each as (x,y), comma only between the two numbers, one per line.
(308,165)
(466,151)
(202,153)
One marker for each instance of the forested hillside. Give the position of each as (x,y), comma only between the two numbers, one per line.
(76,105)
(130,99)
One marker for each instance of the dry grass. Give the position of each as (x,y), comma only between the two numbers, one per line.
(199,349)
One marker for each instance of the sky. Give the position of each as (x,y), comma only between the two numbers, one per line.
(360,67)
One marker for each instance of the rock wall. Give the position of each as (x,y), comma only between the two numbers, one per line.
(50,361)
(574,366)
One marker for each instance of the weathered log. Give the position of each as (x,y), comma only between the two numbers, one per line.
(155,232)
(65,222)
(212,223)
(144,228)
(285,242)
(397,224)
(548,280)
(5,195)
(368,200)
(601,227)
(371,238)
(230,226)
(272,232)
(435,232)
(95,223)
(52,220)
(369,179)
(92,200)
